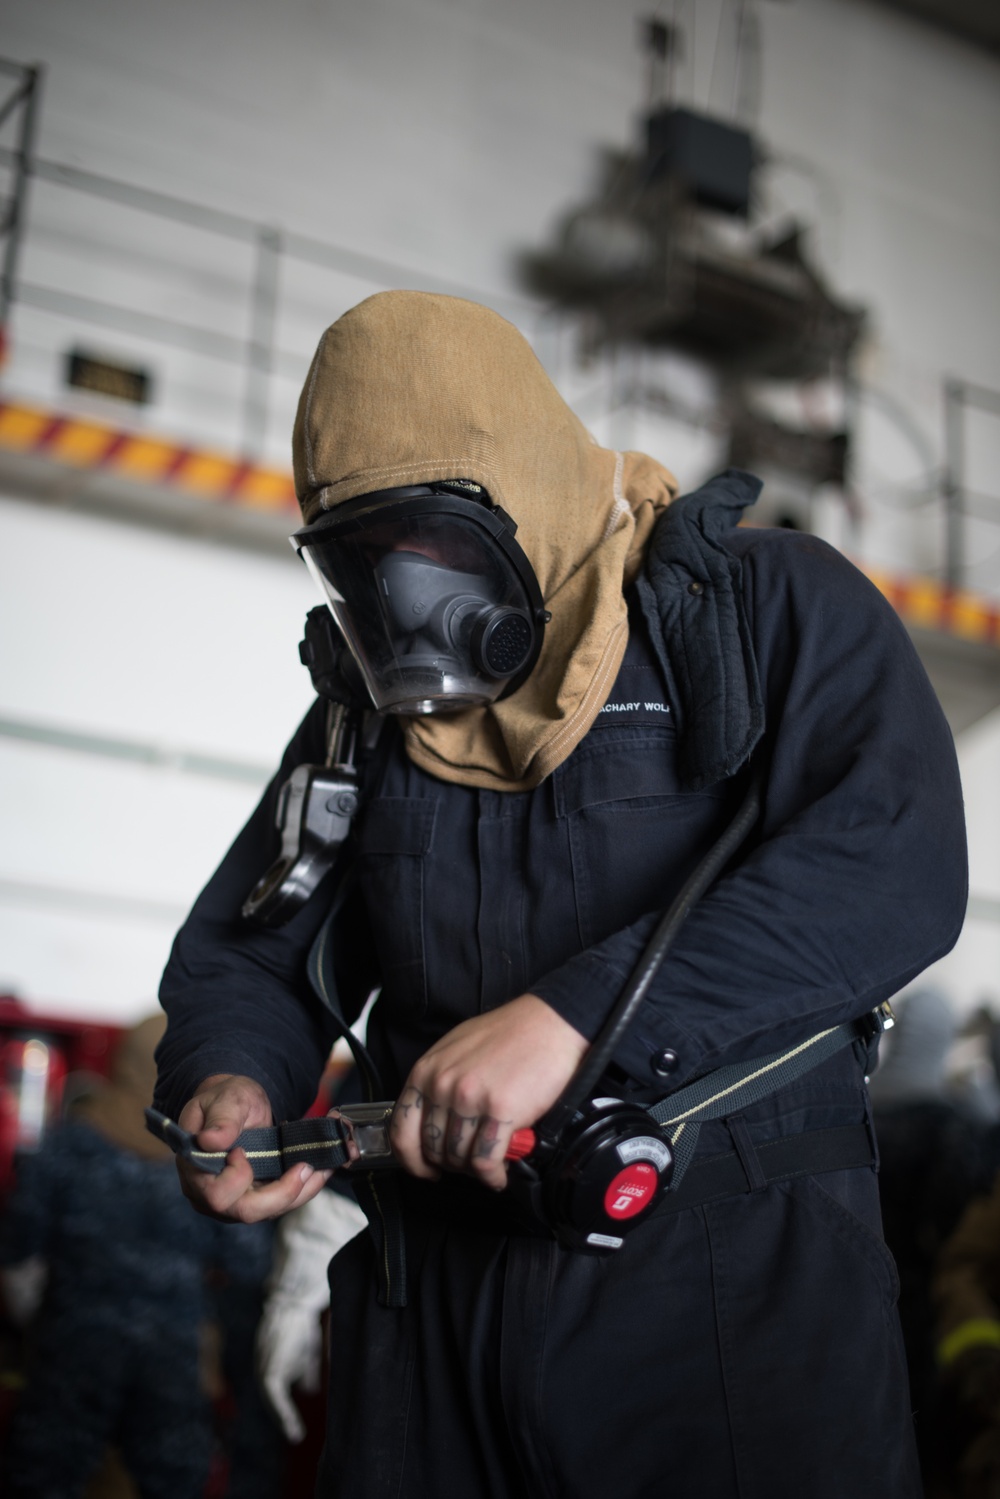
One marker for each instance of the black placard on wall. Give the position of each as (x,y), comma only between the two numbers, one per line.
(123,382)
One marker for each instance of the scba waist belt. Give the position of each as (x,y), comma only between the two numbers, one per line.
(270,1149)
(751,1167)
(321,1143)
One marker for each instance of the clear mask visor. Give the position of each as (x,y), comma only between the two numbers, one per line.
(432,610)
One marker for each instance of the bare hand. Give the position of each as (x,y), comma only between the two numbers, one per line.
(483,1080)
(222,1109)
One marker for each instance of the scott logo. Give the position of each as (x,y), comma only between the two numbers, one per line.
(631,1191)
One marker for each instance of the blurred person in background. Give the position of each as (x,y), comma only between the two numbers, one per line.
(973,1081)
(252,1446)
(930,1165)
(966,1294)
(102,1258)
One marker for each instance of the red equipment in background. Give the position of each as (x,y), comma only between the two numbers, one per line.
(38,1051)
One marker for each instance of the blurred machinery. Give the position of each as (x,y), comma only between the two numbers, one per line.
(671,254)
(666,255)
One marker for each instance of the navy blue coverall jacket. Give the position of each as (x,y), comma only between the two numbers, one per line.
(747,1347)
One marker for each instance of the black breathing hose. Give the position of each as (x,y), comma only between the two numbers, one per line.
(585,1080)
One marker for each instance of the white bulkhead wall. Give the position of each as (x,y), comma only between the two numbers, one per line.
(443,135)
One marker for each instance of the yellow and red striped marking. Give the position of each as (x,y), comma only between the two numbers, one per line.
(80,443)
(929,605)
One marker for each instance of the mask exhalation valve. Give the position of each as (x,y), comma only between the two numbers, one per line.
(502,641)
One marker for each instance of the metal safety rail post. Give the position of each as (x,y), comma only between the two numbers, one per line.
(960,397)
(20,108)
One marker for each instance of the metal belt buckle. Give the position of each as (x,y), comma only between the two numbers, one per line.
(365,1128)
(876,1022)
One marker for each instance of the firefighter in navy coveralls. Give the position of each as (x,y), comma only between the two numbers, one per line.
(518,837)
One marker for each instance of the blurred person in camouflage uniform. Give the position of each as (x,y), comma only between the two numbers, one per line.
(931,1165)
(115,1348)
(967,1299)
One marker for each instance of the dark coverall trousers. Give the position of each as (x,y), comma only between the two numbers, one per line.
(708,1359)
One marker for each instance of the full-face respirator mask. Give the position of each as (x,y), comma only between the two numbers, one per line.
(436,600)
(432,607)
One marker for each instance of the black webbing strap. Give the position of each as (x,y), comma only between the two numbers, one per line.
(271,1149)
(731,1089)
(722,1094)
(842,1148)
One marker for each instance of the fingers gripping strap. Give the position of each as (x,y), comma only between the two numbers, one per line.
(729,1090)
(271,1150)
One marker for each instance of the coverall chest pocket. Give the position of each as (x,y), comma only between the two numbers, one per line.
(634,832)
(394,838)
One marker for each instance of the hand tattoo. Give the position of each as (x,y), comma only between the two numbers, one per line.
(410,1098)
(487,1139)
(432,1133)
(457,1127)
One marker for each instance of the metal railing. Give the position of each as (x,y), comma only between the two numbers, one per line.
(256,354)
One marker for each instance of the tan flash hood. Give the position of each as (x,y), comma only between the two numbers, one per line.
(408,388)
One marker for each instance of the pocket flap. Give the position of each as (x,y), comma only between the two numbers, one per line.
(618,771)
(398,825)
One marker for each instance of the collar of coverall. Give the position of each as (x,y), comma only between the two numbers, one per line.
(409,388)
